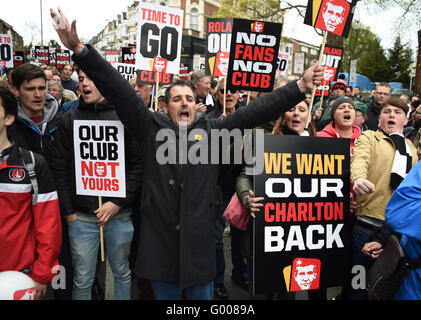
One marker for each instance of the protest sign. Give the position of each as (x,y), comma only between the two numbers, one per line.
(149,77)
(159,34)
(184,72)
(99,158)
(42,54)
(283,60)
(218,44)
(198,62)
(62,58)
(128,71)
(112,56)
(334,16)
(331,61)
(128,55)
(18,58)
(304,225)
(299,59)
(6,50)
(52,55)
(253,55)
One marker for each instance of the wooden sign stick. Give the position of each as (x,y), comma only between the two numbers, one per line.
(101,233)
(225,95)
(322,49)
(156,90)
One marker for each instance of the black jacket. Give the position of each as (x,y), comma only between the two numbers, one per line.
(180,201)
(63,165)
(373,113)
(228,173)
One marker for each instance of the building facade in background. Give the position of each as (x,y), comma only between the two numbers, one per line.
(6,28)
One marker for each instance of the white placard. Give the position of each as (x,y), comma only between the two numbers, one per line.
(6,51)
(99,158)
(283,59)
(127,70)
(159,33)
(299,59)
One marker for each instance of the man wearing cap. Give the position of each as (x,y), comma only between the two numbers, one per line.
(381,94)
(143,90)
(360,115)
(342,115)
(162,106)
(381,160)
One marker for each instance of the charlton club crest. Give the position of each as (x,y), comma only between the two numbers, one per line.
(17,175)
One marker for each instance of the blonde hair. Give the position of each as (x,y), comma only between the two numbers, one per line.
(279,125)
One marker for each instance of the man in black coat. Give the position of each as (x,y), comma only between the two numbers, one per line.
(381,94)
(84,214)
(179,197)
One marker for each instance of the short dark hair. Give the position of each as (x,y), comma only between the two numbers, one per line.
(26,72)
(8,101)
(396,102)
(68,64)
(177,83)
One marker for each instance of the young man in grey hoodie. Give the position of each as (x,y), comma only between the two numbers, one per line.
(38,111)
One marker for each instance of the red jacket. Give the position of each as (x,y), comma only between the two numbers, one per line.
(330,132)
(30,236)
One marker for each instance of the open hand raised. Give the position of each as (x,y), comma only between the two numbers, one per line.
(67,33)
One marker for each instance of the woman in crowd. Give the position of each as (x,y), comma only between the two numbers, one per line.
(292,122)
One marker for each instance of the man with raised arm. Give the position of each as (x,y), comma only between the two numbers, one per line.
(179,199)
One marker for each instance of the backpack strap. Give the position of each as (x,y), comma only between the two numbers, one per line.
(29,163)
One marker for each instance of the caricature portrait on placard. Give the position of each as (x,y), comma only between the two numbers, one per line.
(333,16)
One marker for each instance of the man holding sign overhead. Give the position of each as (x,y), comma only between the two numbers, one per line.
(95,157)
(180,203)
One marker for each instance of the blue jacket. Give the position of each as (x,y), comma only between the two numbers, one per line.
(403,215)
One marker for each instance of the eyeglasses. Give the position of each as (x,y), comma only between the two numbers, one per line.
(222,91)
(417,112)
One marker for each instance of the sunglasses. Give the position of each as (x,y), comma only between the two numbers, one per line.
(222,91)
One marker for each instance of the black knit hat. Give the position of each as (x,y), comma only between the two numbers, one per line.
(337,103)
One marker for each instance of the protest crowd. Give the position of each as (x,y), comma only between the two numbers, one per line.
(160,225)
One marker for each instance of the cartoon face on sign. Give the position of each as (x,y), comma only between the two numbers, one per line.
(329,74)
(258,26)
(100,169)
(305,274)
(221,66)
(159,64)
(333,16)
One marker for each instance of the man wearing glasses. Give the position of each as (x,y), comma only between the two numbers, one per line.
(381,94)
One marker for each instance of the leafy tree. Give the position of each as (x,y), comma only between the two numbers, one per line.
(364,46)
(400,62)
(54,44)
